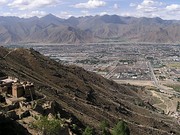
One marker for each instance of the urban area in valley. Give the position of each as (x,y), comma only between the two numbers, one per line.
(156,67)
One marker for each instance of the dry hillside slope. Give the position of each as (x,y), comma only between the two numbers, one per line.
(88,96)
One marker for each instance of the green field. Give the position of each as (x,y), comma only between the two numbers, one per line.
(175,87)
(174,65)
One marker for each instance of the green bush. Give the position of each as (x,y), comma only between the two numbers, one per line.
(121,129)
(105,128)
(88,131)
(48,127)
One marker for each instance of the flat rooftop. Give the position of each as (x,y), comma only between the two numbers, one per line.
(14,99)
(8,80)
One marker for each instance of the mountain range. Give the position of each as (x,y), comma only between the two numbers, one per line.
(89,29)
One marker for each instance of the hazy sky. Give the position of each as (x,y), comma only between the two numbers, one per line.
(166,9)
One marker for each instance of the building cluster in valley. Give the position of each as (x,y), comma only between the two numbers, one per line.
(122,61)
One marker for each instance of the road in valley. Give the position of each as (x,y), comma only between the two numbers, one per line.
(108,76)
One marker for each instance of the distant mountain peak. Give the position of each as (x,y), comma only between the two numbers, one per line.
(49,16)
(112,19)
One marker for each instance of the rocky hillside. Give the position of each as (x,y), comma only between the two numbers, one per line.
(51,29)
(88,96)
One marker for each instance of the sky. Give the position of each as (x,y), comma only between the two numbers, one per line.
(166,9)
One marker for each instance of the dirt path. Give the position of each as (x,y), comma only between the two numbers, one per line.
(171,104)
(156,95)
(9,53)
(135,82)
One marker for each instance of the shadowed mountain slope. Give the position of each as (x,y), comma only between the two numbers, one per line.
(10,127)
